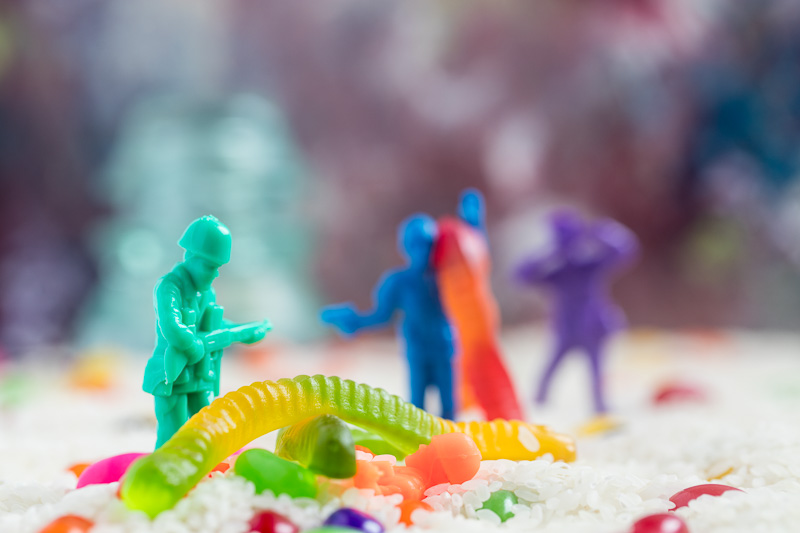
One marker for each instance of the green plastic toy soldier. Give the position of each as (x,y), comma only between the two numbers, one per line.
(183,373)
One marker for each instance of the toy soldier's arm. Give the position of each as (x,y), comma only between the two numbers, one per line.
(539,269)
(617,242)
(168,303)
(247,333)
(386,298)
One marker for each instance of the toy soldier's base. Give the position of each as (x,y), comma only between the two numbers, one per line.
(173,411)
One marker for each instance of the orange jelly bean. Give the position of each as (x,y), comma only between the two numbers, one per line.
(68,524)
(408,507)
(78,468)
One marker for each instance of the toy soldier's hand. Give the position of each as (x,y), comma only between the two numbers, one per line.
(255,336)
(343,317)
(195,351)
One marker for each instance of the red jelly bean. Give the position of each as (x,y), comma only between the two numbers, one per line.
(682,498)
(679,393)
(68,524)
(660,523)
(272,522)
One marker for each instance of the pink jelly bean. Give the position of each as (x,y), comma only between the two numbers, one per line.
(660,523)
(682,498)
(107,470)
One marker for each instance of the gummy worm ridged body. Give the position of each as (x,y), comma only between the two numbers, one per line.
(158,481)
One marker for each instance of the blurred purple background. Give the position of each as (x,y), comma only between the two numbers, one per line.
(313,128)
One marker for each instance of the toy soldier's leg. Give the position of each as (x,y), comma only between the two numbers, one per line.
(418,378)
(171,414)
(198,400)
(595,352)
(547,377)
(443,377)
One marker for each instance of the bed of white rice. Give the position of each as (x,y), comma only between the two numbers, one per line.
(746,436)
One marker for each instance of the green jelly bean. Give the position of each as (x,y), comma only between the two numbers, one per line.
(500,503)
(375,443)
(267,471)
(323,444)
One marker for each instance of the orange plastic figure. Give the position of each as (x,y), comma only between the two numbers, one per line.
(68,524)
(449,458)
(462,265)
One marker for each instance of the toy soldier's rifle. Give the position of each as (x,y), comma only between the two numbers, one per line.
(215,339)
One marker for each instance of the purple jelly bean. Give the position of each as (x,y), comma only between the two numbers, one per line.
(355,519)
(107,470)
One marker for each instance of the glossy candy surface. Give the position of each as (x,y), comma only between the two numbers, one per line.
(272,522)
(330,529)
(501,503)
(323,444)
(156,482)
(355,519)
(678,392)
(450,458)
(682,498)
(407,508)
(374,443)
(384,476)
(267,471)
(660,523)
(107,470)
(68,524)
(462,266)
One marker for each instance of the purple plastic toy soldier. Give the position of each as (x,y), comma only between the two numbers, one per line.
(577,272)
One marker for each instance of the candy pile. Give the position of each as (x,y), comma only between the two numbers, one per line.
(668,466)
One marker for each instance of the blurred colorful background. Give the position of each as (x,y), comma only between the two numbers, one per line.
(313,128)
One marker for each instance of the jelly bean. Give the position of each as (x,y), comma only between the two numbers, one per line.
(158,481)
(78,468)
(599,425)
(682,498)
(267,471)
(450,458)
(501,503)
(407,508)
(322,444)
(272,522)
(355,519)
(330,529)
(679,392)
(68,524)
(660,523)
(108,470)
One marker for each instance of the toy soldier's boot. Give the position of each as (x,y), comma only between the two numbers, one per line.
(171,413)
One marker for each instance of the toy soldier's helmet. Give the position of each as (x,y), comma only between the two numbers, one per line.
(209,238)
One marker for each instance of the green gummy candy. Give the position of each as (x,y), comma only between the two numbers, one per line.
(267,471)
(375,444)
(323,444)
(500,503)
